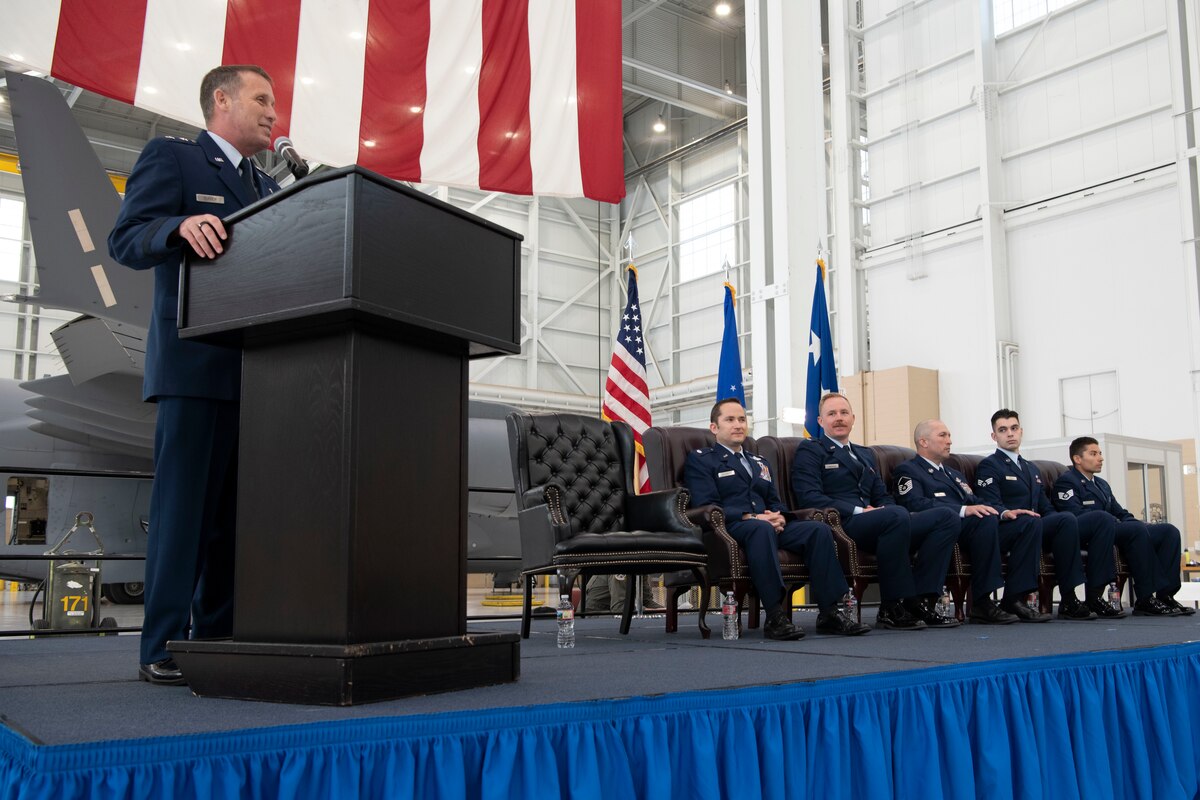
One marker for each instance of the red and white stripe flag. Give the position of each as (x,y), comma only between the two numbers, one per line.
(626,394)
(518,96)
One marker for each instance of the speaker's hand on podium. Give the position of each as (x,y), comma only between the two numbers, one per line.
(204,232)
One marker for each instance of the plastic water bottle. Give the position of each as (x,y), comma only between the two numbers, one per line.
(1114,597)
(850,606)
(566,622)
(729,618)
(944,608)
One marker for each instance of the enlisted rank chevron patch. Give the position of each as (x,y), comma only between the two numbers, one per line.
(904,485)
(984,482)
(1067,495)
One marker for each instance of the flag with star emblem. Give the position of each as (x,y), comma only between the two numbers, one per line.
(822,372)
(626,395)
(729,369)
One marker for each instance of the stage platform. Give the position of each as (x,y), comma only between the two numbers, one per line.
(1090,709)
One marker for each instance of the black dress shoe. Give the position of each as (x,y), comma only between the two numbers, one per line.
(896,617)
(1070,608)
(1153,607)
(1180,608)
(922,608)
(162,673)
(779,627)
(1106,610)
(836,621)
(986,611)
(1025,612)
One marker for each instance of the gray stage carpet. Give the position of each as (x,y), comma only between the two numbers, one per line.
(80,689)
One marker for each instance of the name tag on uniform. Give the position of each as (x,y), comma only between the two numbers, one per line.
(939,494)
(210,198)
(726,474)
(1089,502)
(832,466)
(1010,477)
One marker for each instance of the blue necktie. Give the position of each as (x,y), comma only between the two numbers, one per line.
(247,170)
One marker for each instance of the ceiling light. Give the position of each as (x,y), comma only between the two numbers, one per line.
(415,109)
(722,9)
(307,81)
(659,124)
(16,56)
(728,88)
(149,90)
(183,46)
(368,142)
(355,35)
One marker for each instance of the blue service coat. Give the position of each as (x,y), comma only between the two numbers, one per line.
(174,179)
(1152,550)
(825,476)
(1003,486)
(1075,495)
(920,486)
(713,477)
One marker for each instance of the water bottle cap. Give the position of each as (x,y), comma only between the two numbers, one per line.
(563,597)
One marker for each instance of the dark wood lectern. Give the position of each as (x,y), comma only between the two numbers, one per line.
(357,302)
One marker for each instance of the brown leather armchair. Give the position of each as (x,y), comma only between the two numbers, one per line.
(579,515)
(666,451)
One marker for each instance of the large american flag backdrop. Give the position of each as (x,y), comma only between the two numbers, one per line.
(519,96)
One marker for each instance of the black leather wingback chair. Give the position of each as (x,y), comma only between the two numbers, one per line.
(666,452)
(579,514)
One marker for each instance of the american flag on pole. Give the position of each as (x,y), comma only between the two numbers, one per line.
(626,395)
(518,96)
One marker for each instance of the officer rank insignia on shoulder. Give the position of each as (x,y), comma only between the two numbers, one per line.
(764,472)
(984,481)
(1067,495)
(904,485)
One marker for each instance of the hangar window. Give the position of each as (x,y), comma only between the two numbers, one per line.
(1009,14)
(12,240)
(707,232)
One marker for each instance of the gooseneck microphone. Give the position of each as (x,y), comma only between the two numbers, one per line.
(287,151)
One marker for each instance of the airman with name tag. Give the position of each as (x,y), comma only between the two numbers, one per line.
(1008,482)
(832,472)
(1152,550)
(926,481)
(729,476)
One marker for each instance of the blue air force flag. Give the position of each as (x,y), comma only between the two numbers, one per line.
(822,372)
(729,371)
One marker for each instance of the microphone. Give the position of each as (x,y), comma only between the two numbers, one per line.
(287,151)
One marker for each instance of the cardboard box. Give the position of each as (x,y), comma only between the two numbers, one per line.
(889,403)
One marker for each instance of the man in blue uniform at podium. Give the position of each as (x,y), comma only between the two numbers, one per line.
(741,484)
(174,200)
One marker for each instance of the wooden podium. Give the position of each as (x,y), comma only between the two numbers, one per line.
(357,302)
